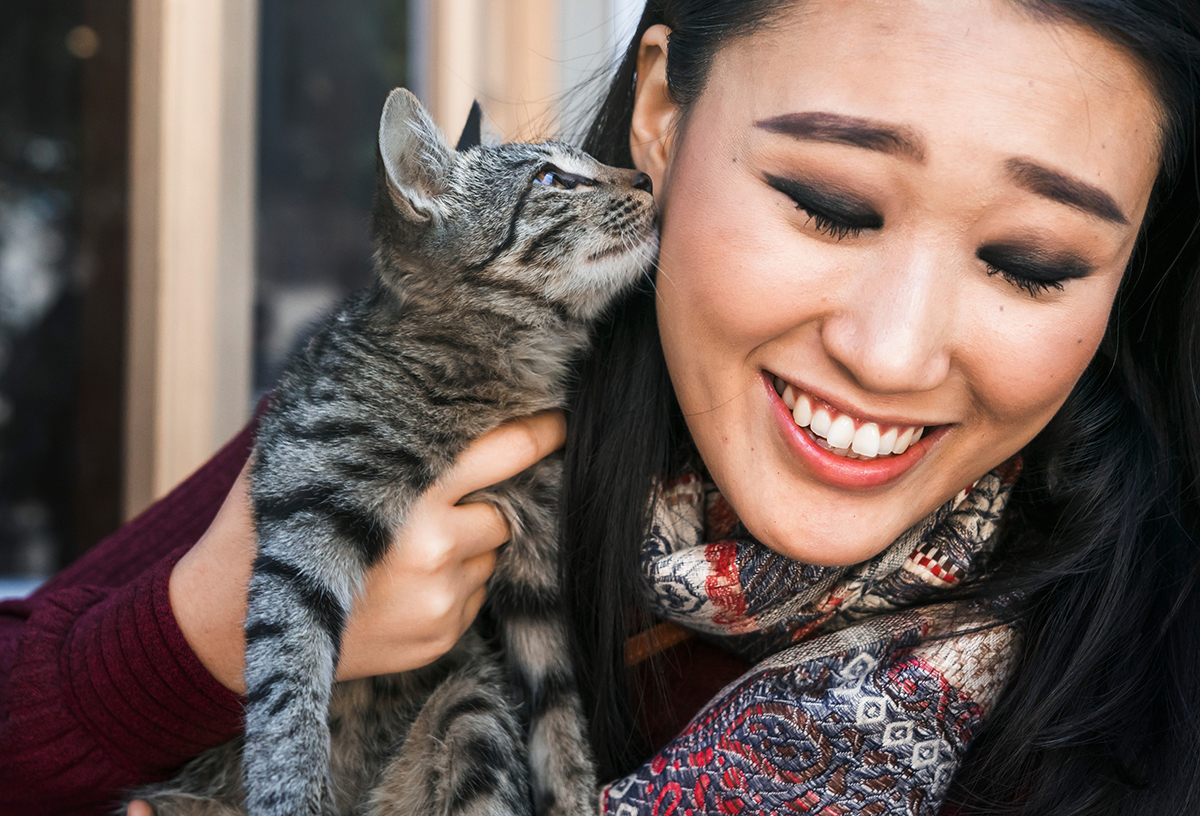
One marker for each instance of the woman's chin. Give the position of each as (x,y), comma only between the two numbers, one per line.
(842,535)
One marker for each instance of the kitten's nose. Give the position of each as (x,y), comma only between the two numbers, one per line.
(643,182)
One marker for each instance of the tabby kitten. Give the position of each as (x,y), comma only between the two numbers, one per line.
(492,261)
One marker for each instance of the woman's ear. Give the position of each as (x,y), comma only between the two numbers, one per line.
(654,114)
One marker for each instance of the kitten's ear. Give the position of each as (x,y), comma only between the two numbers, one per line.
(477,131)
(415,155)
(472,133)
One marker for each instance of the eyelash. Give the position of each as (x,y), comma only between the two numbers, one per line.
(1033,286)
(828,225)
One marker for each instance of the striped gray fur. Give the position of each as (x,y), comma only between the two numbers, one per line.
(489,279)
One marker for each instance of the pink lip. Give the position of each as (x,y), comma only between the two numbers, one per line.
(851,474)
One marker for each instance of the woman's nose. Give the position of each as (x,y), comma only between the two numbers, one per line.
(893,329)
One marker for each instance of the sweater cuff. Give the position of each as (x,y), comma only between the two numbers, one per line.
(132,677)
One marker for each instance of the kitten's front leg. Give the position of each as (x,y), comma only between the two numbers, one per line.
(560,757)
(305,578)
(562,769)
(526,603)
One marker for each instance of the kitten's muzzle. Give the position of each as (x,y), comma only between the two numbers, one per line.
(620,177)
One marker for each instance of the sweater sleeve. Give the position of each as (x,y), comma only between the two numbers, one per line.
(99,690)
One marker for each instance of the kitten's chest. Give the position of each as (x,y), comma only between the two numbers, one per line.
(423,387)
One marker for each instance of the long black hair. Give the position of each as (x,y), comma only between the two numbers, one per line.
(1099,557)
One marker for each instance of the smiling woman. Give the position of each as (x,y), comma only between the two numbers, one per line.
(909,249)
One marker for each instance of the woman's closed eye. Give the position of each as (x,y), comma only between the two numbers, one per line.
(830,211)
(1029,269)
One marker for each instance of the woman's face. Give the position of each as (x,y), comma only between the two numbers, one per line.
(914,214)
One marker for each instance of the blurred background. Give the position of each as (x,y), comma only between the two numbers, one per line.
(185,186)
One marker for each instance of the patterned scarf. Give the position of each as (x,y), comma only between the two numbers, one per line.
(866,692)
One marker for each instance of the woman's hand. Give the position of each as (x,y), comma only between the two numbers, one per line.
(415,603)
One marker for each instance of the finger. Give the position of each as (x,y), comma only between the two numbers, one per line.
(138,808)
(478,527)
(476,571)
(471,608)
(506,451)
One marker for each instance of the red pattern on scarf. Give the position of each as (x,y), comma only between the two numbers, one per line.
(723,586)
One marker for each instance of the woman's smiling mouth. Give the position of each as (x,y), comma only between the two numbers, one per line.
(844,450)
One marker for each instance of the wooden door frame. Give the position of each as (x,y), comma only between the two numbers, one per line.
(191,247)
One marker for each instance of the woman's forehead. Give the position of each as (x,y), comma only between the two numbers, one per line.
(981,78)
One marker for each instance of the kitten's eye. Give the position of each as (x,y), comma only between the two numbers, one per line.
(551,176)
(553,179)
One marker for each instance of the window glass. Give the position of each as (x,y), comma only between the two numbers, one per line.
(325,69)
(42,282)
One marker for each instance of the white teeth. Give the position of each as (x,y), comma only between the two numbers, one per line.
(866,440)
(802,412)
(841,432)
(838,432)
(820,422)
(887,442)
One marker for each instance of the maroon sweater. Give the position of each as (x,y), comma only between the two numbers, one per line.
(99,691)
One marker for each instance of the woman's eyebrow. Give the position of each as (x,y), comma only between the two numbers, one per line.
(871,135)
(1064,189)
(820,126)
(837,128)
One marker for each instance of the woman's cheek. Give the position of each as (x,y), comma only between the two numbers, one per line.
(1035,354)
(734,269)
